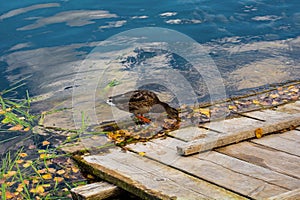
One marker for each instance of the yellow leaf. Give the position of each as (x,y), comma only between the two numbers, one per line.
(23,155)
(142,153)
(17,127)
(46,185)
(10,174)
(27,164)
(60,172)
(258,132)
(58,179)
(51,170)
(273,96)
(35,181)
(231,107)
(8,109)
(39,189)
(9,195)
(43,156)
(75,169)
(45,143)
(47,176)
(10,183)
(2,112)
(19,161)
(26,129)
(20,188)
(26,182)
(204,111)
(42,171)
(255,101)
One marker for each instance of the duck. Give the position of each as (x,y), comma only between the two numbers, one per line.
(139,102)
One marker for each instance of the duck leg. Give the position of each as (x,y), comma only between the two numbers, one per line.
(143,119)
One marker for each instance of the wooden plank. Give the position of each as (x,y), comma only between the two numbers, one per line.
(291,108)
(269,158)
(190,133)
(233,130)
(291,195)
(275,120)
(288,142)
(237,180)
(93,191)
(149,179)
(239,129)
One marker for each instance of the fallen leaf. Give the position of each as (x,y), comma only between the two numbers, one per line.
(142,153)
(42,171)
(26,182)
(255,101)
(47,176)
(44,156)
(26,129)
(2,112)
(19,161)
(58,179)
(10,174)
(17,127)
(258,132)
(27,164)
(204,111)
(39,189)
(45,143)
(51,170)
(60,172)
(75,169)
(273,96)
(23,155)
(10,183)
(32,146)
(20,188)
(231,107)
(9,195)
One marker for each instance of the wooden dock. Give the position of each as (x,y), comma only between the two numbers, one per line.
(219,160)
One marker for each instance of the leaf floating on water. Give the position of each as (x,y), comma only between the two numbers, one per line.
(258,133)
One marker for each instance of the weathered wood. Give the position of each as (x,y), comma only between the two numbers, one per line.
(149,179)
(238,179)
(94,191)
(239,129)
(288,142)
(290,195)
(291,108)
(190,133)
(266,157)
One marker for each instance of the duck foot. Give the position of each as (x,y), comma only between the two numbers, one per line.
(143,119)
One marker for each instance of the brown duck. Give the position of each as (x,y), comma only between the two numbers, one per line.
(140,102)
